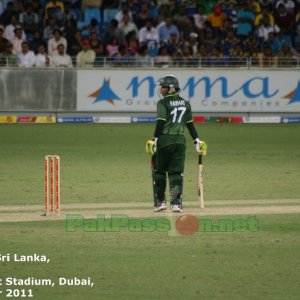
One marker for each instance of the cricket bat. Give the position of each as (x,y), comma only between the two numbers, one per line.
(200,182)
(153,176)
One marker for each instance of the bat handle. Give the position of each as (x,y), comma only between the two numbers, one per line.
(200,159)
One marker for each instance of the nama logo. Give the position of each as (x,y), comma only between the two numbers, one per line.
(294,96)
(104,93)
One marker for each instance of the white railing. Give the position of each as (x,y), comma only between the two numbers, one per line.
(168,62)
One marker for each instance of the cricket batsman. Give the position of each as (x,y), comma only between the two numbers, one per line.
(167,146)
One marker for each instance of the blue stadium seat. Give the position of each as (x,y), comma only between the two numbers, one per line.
(92,13)
(153,12)
(109,14)
(81,24)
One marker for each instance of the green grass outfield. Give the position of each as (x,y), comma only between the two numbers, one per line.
(107,165)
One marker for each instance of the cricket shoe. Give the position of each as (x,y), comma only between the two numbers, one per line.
(176,208)
(161,206)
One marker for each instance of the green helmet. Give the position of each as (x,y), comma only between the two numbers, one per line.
(170,81)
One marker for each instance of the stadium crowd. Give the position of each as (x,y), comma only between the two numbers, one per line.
(191,33)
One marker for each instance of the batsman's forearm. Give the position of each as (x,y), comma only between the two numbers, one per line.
(192,130)
(160,124)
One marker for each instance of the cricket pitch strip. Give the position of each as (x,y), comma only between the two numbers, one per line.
(26,213)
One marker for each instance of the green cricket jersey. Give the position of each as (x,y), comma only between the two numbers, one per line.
(177,113)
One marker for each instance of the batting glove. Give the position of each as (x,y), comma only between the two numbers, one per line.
(151,146)
(201,146)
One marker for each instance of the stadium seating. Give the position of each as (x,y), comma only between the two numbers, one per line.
(92,13)
(109,14)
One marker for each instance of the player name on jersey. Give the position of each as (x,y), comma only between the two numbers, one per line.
(177,103)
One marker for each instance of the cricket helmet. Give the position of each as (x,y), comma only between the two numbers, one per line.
(169,81)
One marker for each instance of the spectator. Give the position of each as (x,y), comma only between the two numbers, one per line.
(132,43)
(200,18)
(251,44)
(273,43)
(286,57)
(267,58)
(148,35)
(173,44)
(166,29)
(54,9)
(285,21)
(227,26)
(1,7)
(252,56)
(5,17)
(42,59)
(122,57)
(126,25)
(86,57)
(17,41)
(112,47)
(10,29)
(208,5)
(254,6)
(26,56)
(163,59)
(8,58)
(18,6)
(38,9)
(180,17)
(265,28)
(97,46)
(114,31)
(49,29)
(259,18)
(245,17)
(93,26)
(188,28)
(124,10)
(163,12)
(238,58)
(70,32)
(187,58)
(297,28)
(60,59)
(231,13)
(75,45)
(3,40)
(215,58)
(216,19)
(143,59)
(55,41)
(193,42)
(229,43)
(210,41)
(142,15)
(191,6)
(203,55)
(266,5)
(288,4)
(296,51)
(69,14)
(29,20)
(36,41)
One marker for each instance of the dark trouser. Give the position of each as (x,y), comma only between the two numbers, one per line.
(169,159)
